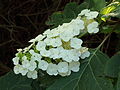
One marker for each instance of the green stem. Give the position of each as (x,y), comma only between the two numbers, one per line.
(82,34)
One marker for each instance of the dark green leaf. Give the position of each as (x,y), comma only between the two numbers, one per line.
(82,6)
(113,66)
(70,12)
(14,82)
(117,11)
(96,4)
(118,83)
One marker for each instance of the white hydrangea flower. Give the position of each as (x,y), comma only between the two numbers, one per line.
(62,67)
(84,12)
(76,43)
(15,60)
(66,55)
(32,40)
(92,27)
(46,32)
(52,69)
(32,66)
(56,42)
(40,45)
(38,38)
(67,34)
(35,56)
(19,50)
(43,65)
(75,54)
(55,53)
(65,74)
(32,74)
(54,32)
(74,66)
(31,51)
(85,54)
(24,58)
(83,49)
(51,33)
(77,25)
(26,63)
(45,53)
(48,41)
(23,70)
(91,15)
(16,69)
(25,49)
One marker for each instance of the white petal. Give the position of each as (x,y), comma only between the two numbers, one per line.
(52,69)
(62,67)
(74,66)
(43,65)
(76,43)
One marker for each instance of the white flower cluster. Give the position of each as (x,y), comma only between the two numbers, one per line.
(57,51)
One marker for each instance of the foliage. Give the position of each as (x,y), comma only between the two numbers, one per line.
(112,68)
(14,82)
(70,12)
(112,10)
(98,72)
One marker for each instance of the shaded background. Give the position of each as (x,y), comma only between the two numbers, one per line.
(22,20)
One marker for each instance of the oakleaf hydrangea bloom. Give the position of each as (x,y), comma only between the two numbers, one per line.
(15,60)
(63,67)
(93,27)
(52,69)
(76,43)
(32,74)
(57,51)
(43,65)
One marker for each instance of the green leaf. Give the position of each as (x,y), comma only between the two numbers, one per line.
(106,29)
(70,12)
(82,6)
(55,19)
(108,9)
(96,4)
(14,82)
(118,83)
(117,12)
(117,28)
(58,18)
(90,76)
(113,66)
(112,10)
